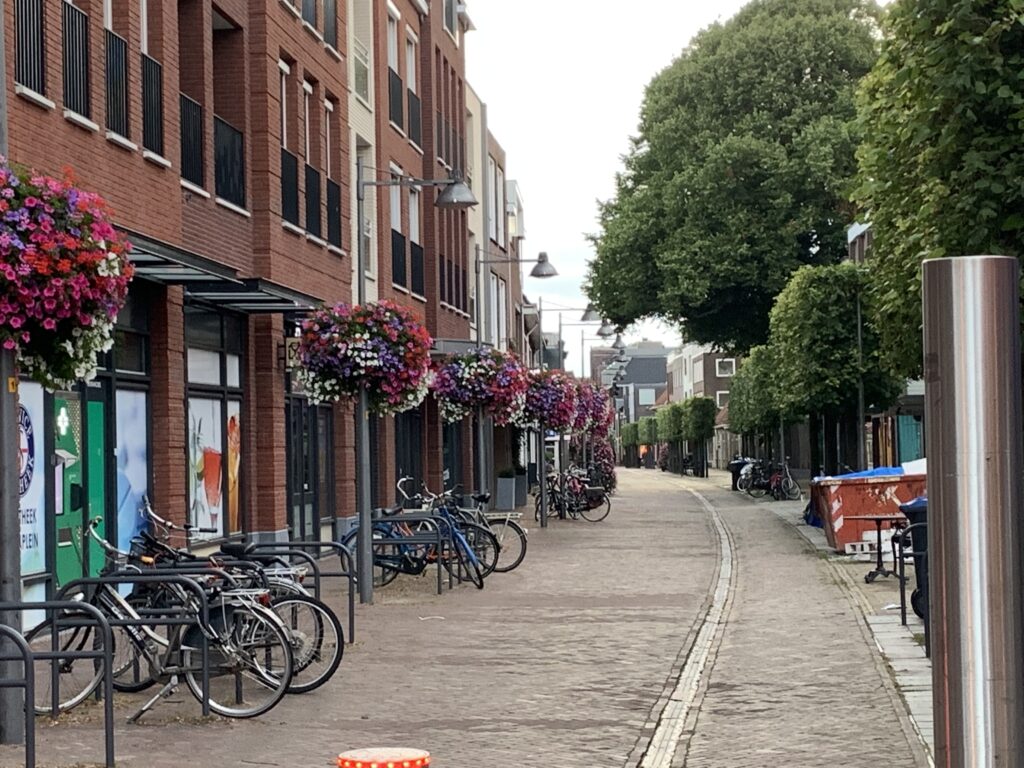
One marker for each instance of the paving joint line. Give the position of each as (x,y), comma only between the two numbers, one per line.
(671,726)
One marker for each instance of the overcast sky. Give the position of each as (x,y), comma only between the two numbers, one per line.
(563,81)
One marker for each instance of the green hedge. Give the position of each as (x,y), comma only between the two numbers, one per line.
(648,430)
(630,434)
(670,422)
(699,419)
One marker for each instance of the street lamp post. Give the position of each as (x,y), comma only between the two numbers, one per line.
(455,196)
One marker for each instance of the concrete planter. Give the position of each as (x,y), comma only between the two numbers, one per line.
(521,489)
(505,498)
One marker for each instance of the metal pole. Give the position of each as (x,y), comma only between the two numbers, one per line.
(12,714)
(862,458)
(542,461)
(972,376)
(364,538)
(561,435)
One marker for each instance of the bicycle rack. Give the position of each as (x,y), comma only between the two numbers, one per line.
(164,620)
(103,655)
(27,684)
(346,572)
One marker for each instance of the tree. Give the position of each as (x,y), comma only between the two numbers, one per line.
(630,435)
(817,366)
(670,422)
(941,166)
(648,430)
(738,175)
(753,402)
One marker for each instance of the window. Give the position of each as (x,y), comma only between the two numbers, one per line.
(492,325)
(500,214)
(725,367)
(698,369)
(722,398)
(492,176)
(283,97)
(328,127)
(307,148)
(449,16)
(214,370)
(29,59)
(410,64)
(414,216)
(502,340)
(361,71)
(646,396)
(393,43)
(396,201)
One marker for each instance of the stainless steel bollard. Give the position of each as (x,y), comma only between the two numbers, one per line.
(975,454)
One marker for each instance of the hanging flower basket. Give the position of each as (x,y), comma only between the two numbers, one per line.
(64,276)
(585,406)
(485,378)
(380,348)
(551,400)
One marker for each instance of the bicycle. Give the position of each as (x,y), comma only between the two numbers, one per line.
(250,652)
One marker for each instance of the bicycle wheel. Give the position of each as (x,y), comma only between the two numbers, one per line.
(467,566)
(485,546)
(790,488)
(318,640)
(130,668)
(757,488)
(743,484)
(251,661)
(384,562)
(76,678)
(511,538)
(599,511)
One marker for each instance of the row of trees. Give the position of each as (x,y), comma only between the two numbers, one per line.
(689,421)
(759,146)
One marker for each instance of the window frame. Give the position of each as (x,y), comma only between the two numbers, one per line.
(411,62)
(285,72)
(307,95)
(718,367)
(415,209)
(718,397)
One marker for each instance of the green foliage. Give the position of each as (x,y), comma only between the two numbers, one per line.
(941,165)
(752,394)
(814,334)
(670,422)
(699,419)
(630,434)
(738,174)
(648,430)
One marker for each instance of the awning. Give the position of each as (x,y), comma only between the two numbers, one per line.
(206,280)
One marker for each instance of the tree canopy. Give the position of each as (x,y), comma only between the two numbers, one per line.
(740,171)
(753,402)
(941,163)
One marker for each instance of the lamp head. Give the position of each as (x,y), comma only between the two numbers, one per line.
(543,267)
(456,196)
(618,344)
(606,330)
(590,315)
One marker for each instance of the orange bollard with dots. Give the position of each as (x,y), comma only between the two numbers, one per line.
(384,757)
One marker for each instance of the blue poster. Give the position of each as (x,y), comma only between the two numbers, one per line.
(31,479)
(132,452)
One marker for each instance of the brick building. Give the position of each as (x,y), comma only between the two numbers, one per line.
(225,137)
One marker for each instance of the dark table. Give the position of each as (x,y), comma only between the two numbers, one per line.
(895,521)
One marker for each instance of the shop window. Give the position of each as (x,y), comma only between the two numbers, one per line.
(214,370)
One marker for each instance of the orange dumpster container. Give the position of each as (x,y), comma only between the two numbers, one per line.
(835,499)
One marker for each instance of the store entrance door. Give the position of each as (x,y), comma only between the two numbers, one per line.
(80,480)
(310,468)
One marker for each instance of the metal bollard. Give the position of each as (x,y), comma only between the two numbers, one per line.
(384,757)
(975,454)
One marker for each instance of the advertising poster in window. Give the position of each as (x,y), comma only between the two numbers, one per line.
(205,476)
(234,465)
(132,452)
(31,479)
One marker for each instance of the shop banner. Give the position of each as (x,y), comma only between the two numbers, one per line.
(132,465)
(31,479)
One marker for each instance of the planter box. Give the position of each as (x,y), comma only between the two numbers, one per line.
(505,498)
(521,490)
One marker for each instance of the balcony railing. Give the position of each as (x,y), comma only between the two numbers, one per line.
(152,105)
(415,120)
(117,83)
(192,169)
(397,258)
(395,97)
(331,23)
(76,60)
(309,12)
(289,187)
(334,213)
(229,162)
(313,201)
(30,58)
(416,284)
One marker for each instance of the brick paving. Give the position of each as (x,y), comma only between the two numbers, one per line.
(569,658)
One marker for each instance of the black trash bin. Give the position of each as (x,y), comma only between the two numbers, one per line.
(736,467)
(916,512)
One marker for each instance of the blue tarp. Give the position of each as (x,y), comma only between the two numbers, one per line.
(876,472)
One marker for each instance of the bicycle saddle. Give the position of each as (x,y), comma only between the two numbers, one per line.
(483,498)
(387,511)
(236,548)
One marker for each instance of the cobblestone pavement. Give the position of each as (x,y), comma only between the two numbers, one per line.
(570,659)
(796,681)
(562,659)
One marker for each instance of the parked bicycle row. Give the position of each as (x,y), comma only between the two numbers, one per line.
(575,493)
(759,477)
